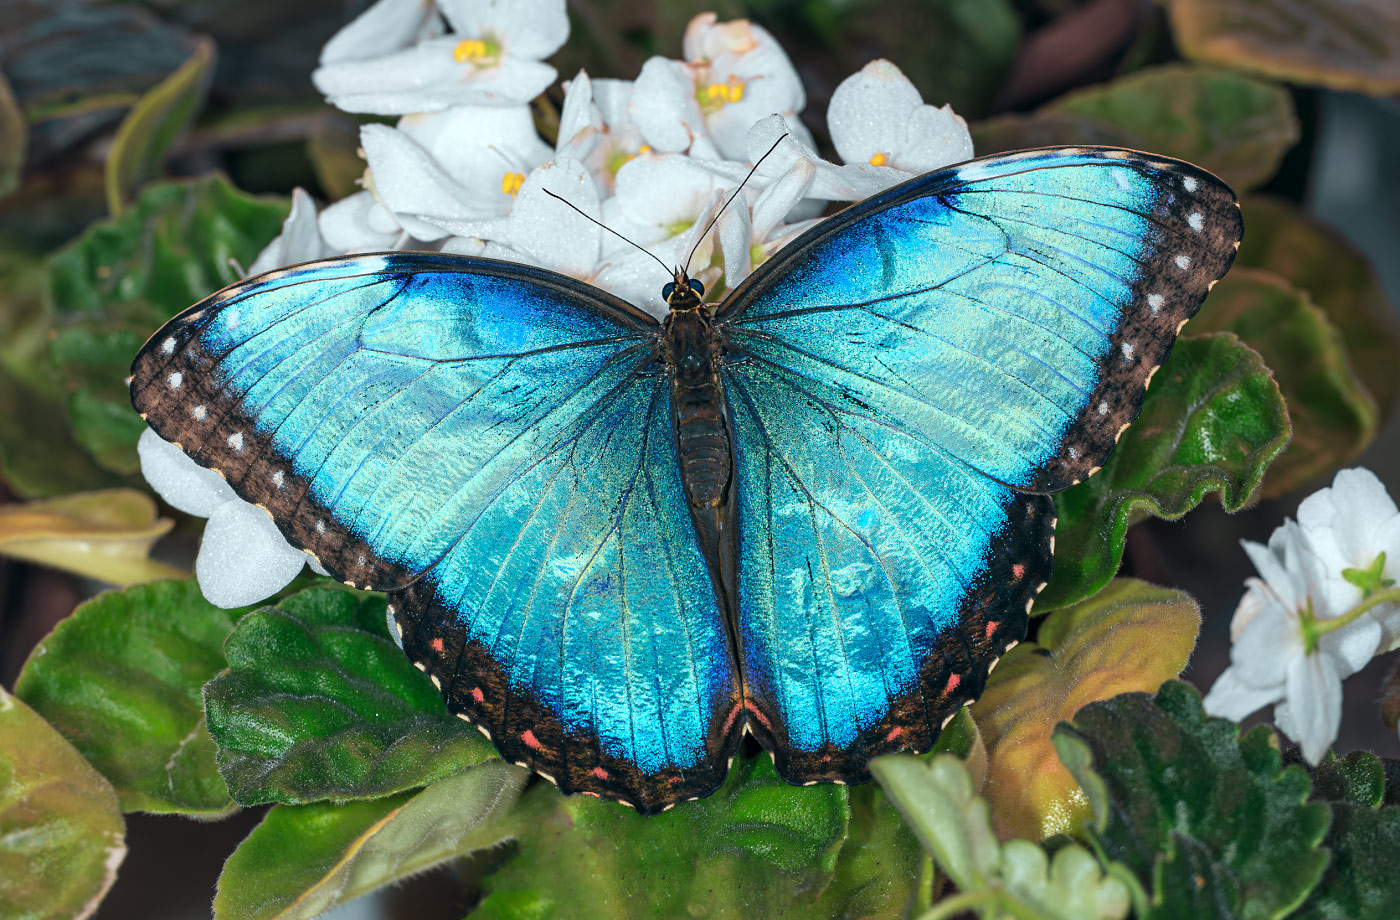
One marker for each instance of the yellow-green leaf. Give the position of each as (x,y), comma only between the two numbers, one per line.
(1347,46)
(14,137)
(61,833)
(305,859)
(154,123)
(1130,636)
(105,535)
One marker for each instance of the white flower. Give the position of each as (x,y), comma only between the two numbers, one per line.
(594,126)
(243,557)
(878,117)
(492,57)
(1355,525)
(360,223)
(734,74)
(1285,652)
(386,27)
(299,241)
(465,163)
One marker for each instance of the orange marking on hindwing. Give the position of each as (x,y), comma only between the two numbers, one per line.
(953,681)
(894,733)
(478,695)
(991,628)
(600,773)
(530,740)
(436,644)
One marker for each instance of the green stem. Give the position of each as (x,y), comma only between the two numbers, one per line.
(958,903)
(1314,629)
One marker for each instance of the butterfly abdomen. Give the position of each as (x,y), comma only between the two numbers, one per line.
(697,401)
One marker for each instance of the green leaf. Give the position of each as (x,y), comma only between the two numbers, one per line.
(1131,636)
(1353,46)
(1339,279)
(877,875)
(1235,126)
(1212,421)
(38,456)
(112,287)
(121,679)
(14,138)
(1360,880)
(319,703)
(1212,823)
(1332,416)
(1016,879)
(1358,778)
(757,847)
(151,127)
(306,859)
(103,535)
(61,833)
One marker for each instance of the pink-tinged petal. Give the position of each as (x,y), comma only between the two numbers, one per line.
(1314,697)
(385,27)
(358,223)
(744,50)
(179,481)
(936,138)
(663,106)
(299,241)
(1232,698)
(243,557)
(531,29)
(869,112)
(1255,596)
(411,183)
(777,200)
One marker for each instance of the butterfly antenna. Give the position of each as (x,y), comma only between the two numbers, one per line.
(714,219)
(607,228)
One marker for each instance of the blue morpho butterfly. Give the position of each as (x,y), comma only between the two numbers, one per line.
(818,511)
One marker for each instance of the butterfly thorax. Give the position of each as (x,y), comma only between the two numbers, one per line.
(692,350)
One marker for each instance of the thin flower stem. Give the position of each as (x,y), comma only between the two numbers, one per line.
(1320,628)
(958,903)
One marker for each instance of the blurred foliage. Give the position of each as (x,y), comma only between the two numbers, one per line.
(149,698)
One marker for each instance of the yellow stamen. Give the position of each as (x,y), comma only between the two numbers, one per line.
(469,49)
(714,96)
(879,159)
(511,182)
(645,148)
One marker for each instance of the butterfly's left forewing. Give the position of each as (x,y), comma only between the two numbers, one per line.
(907,380)
(484,442)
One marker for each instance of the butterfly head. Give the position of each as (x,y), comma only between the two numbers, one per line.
(684,293)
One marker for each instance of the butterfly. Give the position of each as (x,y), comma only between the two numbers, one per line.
(818,511)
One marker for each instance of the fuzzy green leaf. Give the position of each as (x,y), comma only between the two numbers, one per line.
(1212,421)
(1129,636)
(1235,126)
(1332,416)
(1015,879)
(154,123)
(1358,778)
(318,703)
(877,875)
(1346,46)
(1340,281)
(306,859)
(61,833)
(121,679)
(757,847)
(1212,823)
(118,282)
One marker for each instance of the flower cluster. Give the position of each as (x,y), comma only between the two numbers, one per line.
(465,170)
(1323,606)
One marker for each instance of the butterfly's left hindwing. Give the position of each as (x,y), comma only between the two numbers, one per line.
(477,439)
(906,381)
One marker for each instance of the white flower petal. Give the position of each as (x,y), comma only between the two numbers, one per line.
(1314,694)
(479,148)
(428,78)
(868,113)
(178,480)
(578,111)
(530,29)
(353,224)
(1353,646)
(611,97)
(937,138)
(777,200)
(551,233)
(735,239)
(412,184)
(1232,698)
(385,27)
(663,106)
(244,558)
(299,241)
(831,182)
(658,195)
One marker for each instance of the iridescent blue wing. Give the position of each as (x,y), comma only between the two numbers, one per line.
(907,380)
(484,442)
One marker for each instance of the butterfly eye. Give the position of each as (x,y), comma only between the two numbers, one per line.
(697,287)
(668,290)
